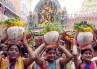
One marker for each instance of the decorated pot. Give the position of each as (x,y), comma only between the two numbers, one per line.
(15,32)
(84,38)
(51,37)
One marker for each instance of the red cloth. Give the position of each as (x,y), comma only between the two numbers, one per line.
(44,66)
(86,46)
(54,46)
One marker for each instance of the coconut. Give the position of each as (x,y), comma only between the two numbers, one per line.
(84,38)
(15,32)
(51,37)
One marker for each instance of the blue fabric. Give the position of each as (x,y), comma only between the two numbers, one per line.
(12,66)
(52,65)
(87,66)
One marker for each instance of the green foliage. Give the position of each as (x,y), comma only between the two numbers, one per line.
(81,26)
(49,26)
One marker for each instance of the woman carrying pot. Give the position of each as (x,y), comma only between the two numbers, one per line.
(84,38)
(49,61)
(14,59)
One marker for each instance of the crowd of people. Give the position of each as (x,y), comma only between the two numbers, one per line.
(20,55)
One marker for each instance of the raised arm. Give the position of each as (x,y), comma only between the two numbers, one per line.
(75,52)
(31,57)
(67,53)
(38,51)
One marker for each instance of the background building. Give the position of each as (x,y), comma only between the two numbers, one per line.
(8,8)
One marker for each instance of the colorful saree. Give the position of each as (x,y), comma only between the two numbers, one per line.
(49,65)
(4,64)
(92,65)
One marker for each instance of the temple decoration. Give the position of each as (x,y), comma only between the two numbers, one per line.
(50,11)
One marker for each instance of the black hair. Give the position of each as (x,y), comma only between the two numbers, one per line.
(1,46)
(49,49)
(82,51)
(23,50)
(10,45)
(95,48)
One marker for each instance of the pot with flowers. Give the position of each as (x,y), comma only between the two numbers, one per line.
(15,30)
(84,34)
(51,32)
